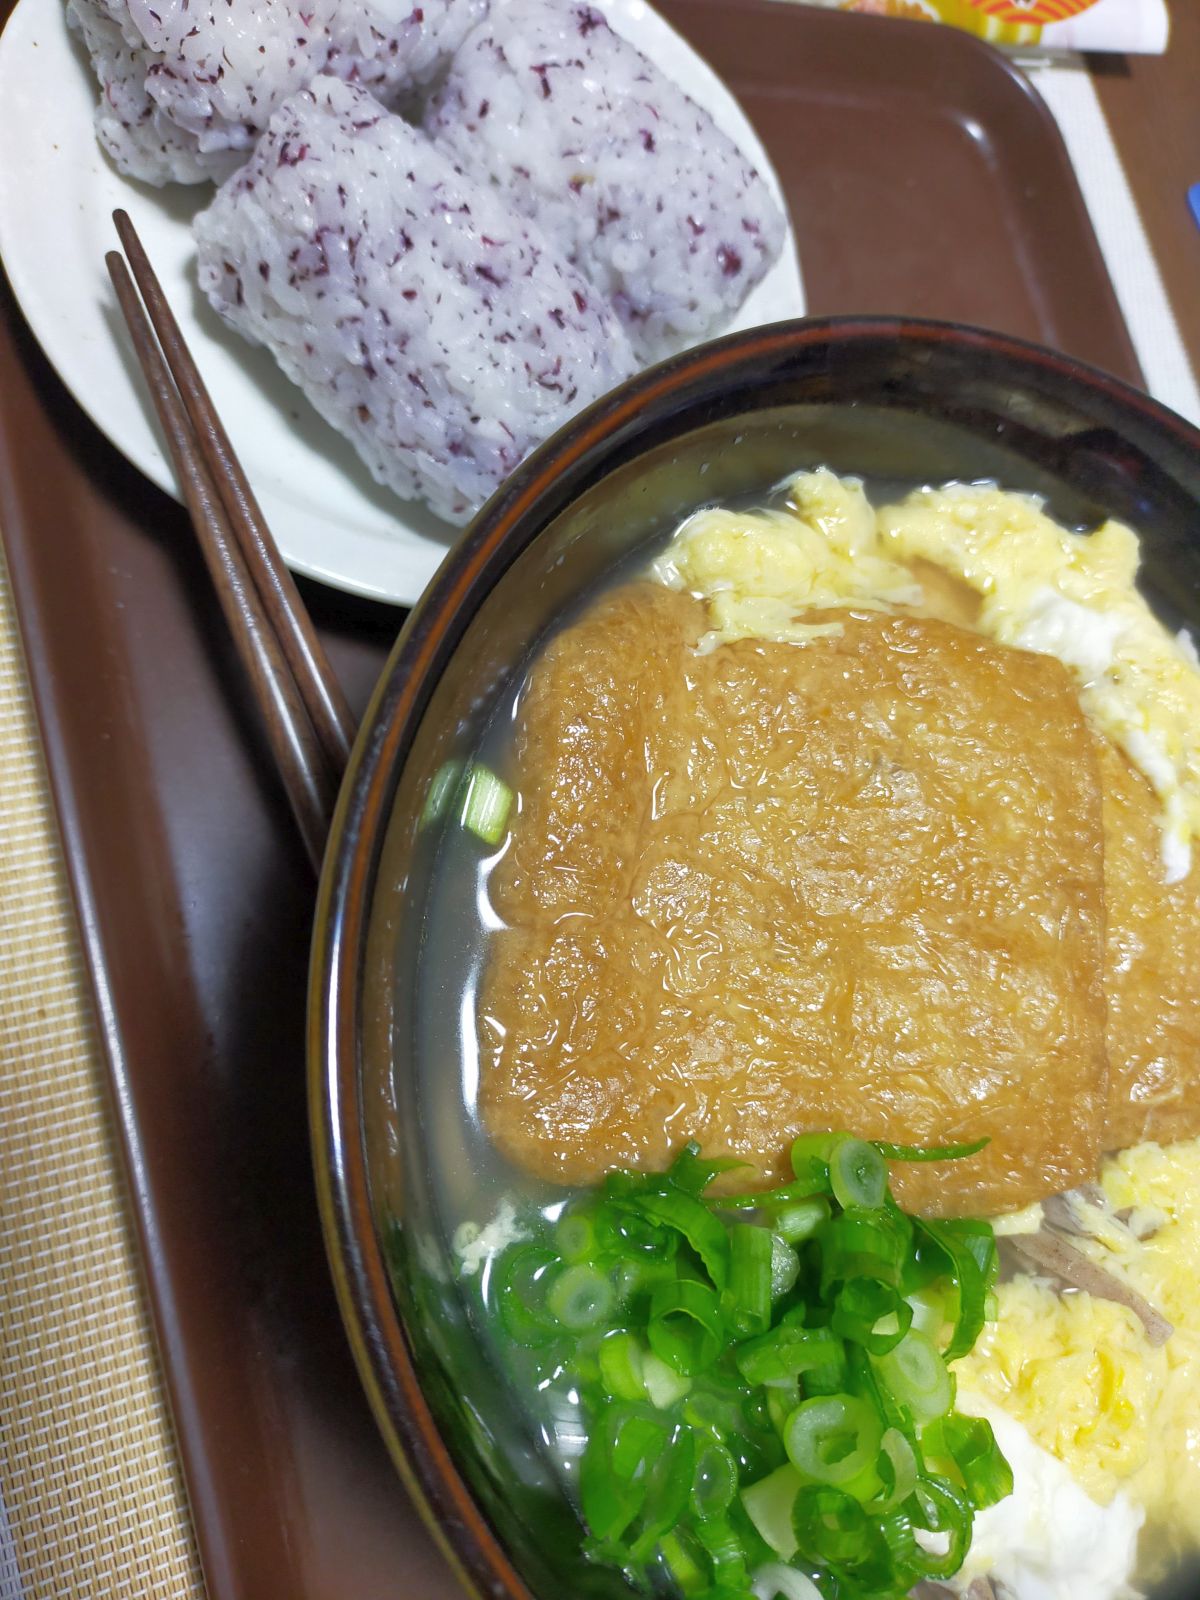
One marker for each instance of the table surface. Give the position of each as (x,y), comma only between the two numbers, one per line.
(98,1363)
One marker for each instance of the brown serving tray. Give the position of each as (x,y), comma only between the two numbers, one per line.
(924,177)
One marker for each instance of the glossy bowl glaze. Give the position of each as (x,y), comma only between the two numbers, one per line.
(892,400)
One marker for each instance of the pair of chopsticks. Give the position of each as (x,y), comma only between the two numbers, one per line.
(308,721)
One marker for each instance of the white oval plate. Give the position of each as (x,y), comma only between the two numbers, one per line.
(330,518)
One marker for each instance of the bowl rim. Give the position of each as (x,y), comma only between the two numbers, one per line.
(505,526)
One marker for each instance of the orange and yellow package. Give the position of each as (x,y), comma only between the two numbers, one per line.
(1138,26)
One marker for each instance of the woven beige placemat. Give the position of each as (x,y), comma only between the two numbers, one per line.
(93,1505)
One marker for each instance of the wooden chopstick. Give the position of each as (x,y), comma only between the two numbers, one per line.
(309,774)
(322,693)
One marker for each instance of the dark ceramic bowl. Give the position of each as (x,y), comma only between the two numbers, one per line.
(888,400)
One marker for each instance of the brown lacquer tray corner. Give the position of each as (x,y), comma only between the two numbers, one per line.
(924,179)
(925,174)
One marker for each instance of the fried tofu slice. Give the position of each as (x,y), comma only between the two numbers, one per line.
(852,884)
(945,596)
(1152,969)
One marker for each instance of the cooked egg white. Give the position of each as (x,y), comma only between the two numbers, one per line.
(1074,596)
(1041,588)
(1048,1540)
(475,1246)
(1080,1374)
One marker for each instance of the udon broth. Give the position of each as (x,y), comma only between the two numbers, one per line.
(471,1177)
(484,1200)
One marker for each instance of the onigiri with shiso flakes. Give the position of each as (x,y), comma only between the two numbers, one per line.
(187,86)
(442,335)
(631,179)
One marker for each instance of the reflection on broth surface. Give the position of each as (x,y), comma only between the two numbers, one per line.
(836,819)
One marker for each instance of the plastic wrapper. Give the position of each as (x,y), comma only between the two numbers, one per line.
(1140,27)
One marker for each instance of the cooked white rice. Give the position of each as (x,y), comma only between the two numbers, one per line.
(141,140)
(444,337)
(187,86)
(632,179)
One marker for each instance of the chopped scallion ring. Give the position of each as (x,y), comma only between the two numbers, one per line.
(917,1377)
(857,1174)
(486,806)
(762,1397)
(936,1152)
(441,792)
(685,1328)
(833,1439)
(581,1298)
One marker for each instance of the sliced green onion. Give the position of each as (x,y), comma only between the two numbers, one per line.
(519,1286)
(801,1219)
(978,1239)
(785,1267)
(832,1439)
(633,1278)
(898,1461)
(831,1528)
(715,1482)
(929,1311)
(862,1305)
(932,1152)
(612,1474)
(486,806)
(857,1174)
(575,1236)
(622,1229)
(909,1561)
(860,1243)
(972,1446)
(440,792)
(809,1184)
(607,1504)
(668,1490)
(783,1396)
(698,1226)
(889,1330)
(917,1376)
(786,1352)
(774,1581)
(743,1392)
(970,1252)
(862,1379)
(636,1440)
(829,1378)
(620,1184)
(685,1329)
(750,1277)
(768,1503)
(689,1173)
(813,1147)
(937,1507)
(620,1360)
(581,1297)
(664,1386)
(712,1412)
(723,1547)
(681,1564)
